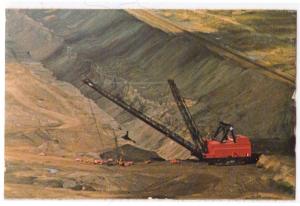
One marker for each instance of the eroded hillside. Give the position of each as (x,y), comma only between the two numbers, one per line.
(267,37)
(50,122)
(106,43)
(47,116)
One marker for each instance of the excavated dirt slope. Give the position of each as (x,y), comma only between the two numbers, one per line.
(49,123)
(267,37)
(47,116)
(103,43)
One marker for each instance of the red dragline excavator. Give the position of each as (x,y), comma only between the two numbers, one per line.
(231,147)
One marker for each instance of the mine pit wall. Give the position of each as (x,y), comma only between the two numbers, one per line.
(258,106)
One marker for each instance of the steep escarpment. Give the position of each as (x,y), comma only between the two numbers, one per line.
(133,59)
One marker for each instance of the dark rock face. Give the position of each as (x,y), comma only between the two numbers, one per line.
(132,153)
(19,180)
(72,184)
(50,183)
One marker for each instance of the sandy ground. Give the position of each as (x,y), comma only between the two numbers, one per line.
(187,180)
(42,165)
(52,115)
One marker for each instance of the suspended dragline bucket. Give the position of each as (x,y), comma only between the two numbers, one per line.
(148,120)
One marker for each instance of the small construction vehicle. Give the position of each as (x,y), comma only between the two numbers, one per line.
(230,149)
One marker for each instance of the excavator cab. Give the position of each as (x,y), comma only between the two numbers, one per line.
(225,129)
(229,146)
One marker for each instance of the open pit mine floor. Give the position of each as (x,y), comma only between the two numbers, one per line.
(32,176)
(52,118)
(40,166)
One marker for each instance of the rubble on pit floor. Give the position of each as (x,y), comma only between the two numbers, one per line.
(132,153)
(282,169)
